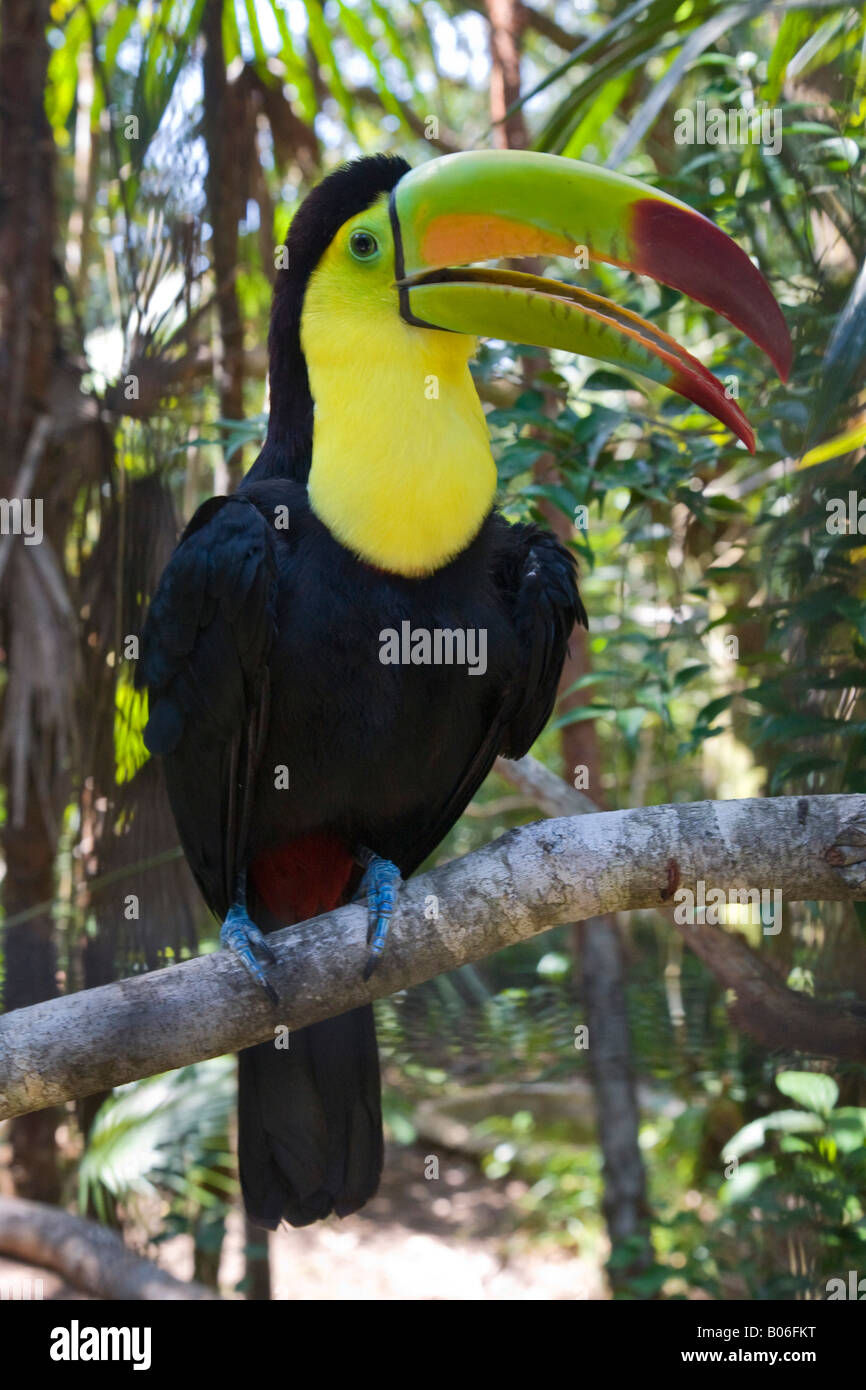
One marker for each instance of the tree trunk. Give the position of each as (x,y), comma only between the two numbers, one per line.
(27,339)
(226,177)
(598,946)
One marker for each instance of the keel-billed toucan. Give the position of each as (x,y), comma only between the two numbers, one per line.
(371,506)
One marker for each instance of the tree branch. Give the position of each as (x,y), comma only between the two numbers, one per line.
(529,880)
(446,143)
(531,18)
(550,793)
(88,1256)
(549,29)
(763,1005)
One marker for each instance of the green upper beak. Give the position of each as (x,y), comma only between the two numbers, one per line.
(482,206)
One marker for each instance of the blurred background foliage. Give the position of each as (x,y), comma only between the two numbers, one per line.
(727,649)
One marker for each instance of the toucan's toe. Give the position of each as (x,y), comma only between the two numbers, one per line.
(240,934)
(379,886)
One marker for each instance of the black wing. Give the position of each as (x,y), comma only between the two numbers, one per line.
(204,656)
(536,577)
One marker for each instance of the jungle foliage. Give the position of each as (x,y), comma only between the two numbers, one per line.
(726,591)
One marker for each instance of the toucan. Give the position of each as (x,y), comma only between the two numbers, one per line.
(309,760)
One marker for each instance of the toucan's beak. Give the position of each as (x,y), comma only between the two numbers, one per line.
(485,205)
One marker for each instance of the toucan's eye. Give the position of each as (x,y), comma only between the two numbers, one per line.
(363,245)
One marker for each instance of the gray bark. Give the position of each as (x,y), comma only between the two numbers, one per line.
(527,881)
(89,1257)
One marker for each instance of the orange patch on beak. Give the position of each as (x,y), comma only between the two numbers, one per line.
(455,238)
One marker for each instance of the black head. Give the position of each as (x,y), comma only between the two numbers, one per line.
(344,193)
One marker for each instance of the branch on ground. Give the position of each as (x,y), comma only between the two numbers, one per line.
(91,1258)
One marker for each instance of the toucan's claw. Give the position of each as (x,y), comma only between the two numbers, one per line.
(240,934)
(379,886)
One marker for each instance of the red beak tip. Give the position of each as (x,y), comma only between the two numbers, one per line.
(682,248)
(779,347)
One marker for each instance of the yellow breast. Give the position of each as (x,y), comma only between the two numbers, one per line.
(402,472)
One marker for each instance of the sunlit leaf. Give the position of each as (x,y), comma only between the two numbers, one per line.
(810,1089)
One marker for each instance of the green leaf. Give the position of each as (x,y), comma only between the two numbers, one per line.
(848,1127)
(581,715)
(810,54)
(164,53)
(587,50)
(231,33)
(842,359)
(297,71)
(810,1089)
(793,30)
(323,48)
(395,44)
(119,30)
(256,37)
(607,102)
(700,39)
(687,674)
(711,711)
(630,721)
(607,381)
(754,1134)
(357,31)
(588,679)
(742,1184)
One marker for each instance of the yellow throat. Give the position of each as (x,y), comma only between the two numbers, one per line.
(402,473)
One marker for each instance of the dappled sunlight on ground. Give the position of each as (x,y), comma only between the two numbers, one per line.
(452,1238)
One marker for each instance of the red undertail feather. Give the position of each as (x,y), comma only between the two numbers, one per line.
(305,877)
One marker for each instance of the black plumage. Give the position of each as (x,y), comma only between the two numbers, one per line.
(262,650)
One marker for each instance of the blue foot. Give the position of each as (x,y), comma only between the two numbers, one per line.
(241,935)
(379,886)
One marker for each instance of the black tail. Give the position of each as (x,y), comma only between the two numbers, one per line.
(310,1122)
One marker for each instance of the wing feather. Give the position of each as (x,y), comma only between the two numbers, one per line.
(536,577)
(205,649)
